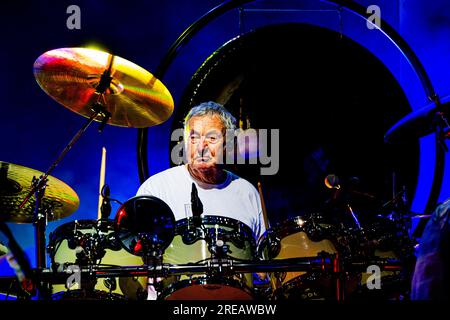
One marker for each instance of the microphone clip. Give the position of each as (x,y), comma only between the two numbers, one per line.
(105,208)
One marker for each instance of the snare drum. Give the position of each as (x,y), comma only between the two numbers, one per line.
(84,243)
(302,236)
(194,243)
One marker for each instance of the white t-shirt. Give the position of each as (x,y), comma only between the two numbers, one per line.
(235,198)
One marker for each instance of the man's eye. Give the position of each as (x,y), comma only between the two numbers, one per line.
(194,139)
(213,138)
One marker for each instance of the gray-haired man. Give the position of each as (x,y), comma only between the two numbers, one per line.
(221,192)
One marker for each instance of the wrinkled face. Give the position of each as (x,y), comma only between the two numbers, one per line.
(205,142)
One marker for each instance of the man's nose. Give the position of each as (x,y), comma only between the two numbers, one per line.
(202,145)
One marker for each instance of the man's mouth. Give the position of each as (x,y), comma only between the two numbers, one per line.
(202,159)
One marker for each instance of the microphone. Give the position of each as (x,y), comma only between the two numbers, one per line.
(196,205)
(332,181)
(105,208)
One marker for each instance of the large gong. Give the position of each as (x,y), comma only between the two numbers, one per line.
(332,101)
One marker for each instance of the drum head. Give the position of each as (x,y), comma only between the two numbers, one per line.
(144,223)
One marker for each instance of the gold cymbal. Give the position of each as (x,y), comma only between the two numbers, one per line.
(135,98)
(3,250)
(16,183)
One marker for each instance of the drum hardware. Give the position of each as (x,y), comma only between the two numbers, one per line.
(219,267)
(355,249)
(104,211)
(105,80)
(38,189)
(196,205)
(17,260)
(218,240)
(89,248)
(144,226)
(354,217)
(102,87)
(191,235)
(274,243)
(219,250)
(86,243)
(105,207)
(78,78)
(322,262)
(387,264)
(431,118)
(48,69)
(340,278)
(111,284)
(11,286)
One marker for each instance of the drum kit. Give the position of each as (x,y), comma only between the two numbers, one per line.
(143,248)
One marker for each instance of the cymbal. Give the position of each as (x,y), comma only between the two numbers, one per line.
(135,98)
(416,124)
(16,183)
(3,250)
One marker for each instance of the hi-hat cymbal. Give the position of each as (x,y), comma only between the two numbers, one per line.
(16,183)
(3,250)
(418,123)
(135,98)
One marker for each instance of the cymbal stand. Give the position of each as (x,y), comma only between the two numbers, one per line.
(153,258)
(441,124)
(42,210)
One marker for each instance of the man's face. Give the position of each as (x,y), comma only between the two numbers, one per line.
(205,142)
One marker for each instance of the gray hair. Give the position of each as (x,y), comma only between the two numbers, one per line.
(212,108)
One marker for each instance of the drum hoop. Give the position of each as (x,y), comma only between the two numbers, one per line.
(57,236)
(61,231)
(204,280)
(244,229)
(310,278)
(291,226)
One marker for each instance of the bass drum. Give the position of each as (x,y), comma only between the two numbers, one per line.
(195,242)
(84,243)
(302,236)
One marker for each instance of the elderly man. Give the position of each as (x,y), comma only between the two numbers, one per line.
(221,192)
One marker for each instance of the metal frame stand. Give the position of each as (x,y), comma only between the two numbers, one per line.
(42,210)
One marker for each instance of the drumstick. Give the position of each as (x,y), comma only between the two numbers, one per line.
(263,206)
(102,183)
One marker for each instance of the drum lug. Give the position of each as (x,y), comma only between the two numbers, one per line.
(110,283)
(274,243)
